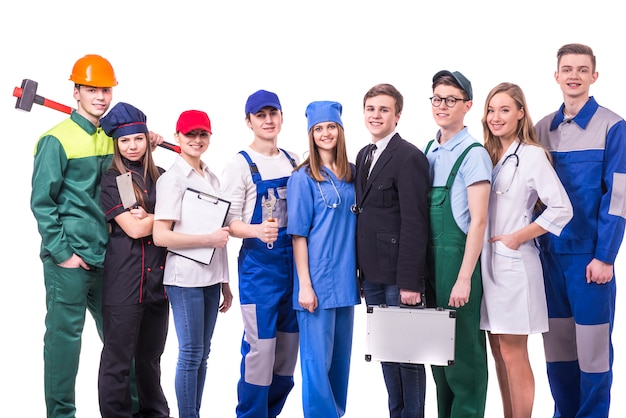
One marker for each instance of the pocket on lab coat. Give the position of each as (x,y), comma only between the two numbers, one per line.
(507,263)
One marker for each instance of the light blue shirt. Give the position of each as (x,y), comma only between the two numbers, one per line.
(476,167)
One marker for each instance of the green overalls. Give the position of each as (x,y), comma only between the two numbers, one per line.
(462,387)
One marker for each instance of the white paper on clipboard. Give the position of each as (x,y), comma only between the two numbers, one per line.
(202,213)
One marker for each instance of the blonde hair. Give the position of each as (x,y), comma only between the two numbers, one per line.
(525,129)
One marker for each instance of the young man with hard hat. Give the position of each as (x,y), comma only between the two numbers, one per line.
(69,161)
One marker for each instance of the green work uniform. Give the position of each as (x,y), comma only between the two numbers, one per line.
(462,387)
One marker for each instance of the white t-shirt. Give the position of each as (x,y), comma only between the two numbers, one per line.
(240,190)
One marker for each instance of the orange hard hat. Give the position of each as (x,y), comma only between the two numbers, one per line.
(93,70)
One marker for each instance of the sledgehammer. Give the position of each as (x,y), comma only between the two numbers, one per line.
(27,95)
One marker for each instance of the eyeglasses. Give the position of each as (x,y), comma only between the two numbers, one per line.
(193,134)
(450,101)
(504,177)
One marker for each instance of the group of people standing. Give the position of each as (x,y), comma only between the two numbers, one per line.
(518,233)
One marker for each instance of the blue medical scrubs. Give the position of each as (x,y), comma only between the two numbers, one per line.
(320,211)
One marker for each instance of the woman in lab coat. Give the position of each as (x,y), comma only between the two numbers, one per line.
(527,200)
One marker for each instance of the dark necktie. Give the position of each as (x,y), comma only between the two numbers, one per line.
(367,164)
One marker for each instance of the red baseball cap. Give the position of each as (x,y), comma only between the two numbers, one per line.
(191,120)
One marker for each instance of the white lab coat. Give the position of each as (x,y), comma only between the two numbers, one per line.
(514,300)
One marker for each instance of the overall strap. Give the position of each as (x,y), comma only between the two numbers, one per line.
(254,170)
(457,164)
(291,160)
(432,141)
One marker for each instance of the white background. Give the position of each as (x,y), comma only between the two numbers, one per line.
(174,56)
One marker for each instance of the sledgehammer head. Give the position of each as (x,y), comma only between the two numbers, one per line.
(27,98)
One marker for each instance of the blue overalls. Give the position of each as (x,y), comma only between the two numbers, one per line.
(270,342)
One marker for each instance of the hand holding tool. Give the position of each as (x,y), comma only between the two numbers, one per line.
(269,204)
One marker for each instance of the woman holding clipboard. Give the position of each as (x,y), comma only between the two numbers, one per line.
(192,287)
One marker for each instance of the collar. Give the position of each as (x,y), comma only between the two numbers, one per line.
(583,117)
(133,165)
(186,168)
(454,142)
(81,121)
(382,143)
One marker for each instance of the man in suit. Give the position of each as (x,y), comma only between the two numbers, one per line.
(392,185)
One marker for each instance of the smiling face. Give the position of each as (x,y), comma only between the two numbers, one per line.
(380,116)
(325,135)
(93,102)
(266,123)
(503,116)
(133,147)
(575,75)
(193,144)
(448,118)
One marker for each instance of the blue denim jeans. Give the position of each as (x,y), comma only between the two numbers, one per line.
(406,383)
(195,312)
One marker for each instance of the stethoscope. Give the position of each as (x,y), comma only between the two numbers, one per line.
(511,159)
(334,205)
(356,209)
(514,155)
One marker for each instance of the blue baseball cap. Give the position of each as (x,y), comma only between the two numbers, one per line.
(323,111)
(260,99)
(124,119)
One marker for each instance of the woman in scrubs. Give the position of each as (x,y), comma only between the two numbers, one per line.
(319,194)
(527,200)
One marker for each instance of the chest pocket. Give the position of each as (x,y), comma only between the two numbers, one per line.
(383,193)
(436,198)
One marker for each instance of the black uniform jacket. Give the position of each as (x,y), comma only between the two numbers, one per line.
(392,225)
(133,268)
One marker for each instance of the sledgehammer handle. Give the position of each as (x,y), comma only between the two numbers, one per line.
(170,147)
(17,92)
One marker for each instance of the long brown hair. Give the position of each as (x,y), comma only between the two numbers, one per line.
(525,129)
(147,162)
(314,161)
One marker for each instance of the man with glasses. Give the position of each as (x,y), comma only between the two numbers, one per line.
(460,174)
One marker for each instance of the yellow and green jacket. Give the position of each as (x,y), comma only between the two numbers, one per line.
(69,162)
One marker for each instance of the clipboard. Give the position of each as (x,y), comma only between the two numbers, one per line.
(202,213)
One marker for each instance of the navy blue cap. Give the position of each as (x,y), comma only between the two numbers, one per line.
(260,99)
(124,119)
(323,111)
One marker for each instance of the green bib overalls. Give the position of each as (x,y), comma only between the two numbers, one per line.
(462,387)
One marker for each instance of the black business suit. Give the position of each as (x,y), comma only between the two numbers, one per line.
(392,226)
(392,238)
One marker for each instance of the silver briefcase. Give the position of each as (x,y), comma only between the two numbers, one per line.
(410,335)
